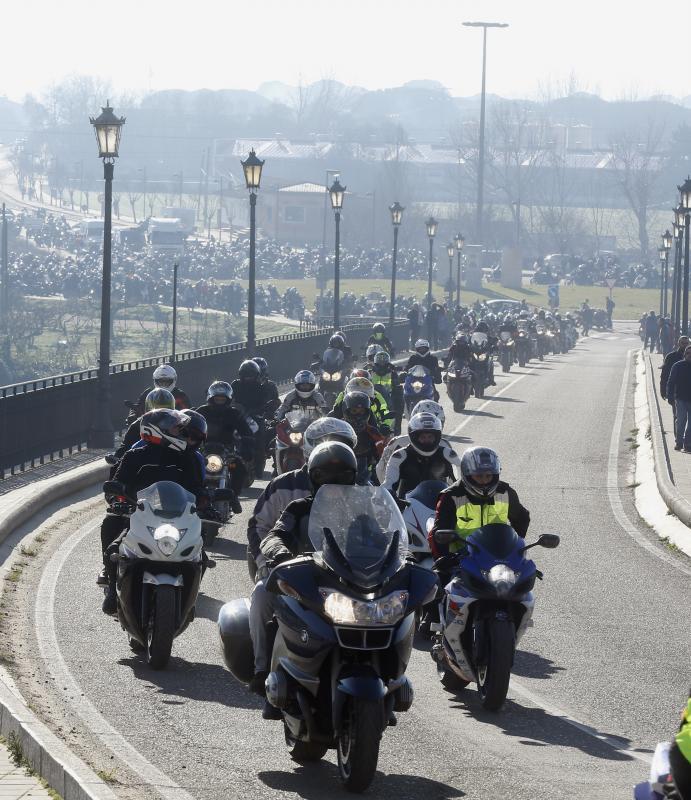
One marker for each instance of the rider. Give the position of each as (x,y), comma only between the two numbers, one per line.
(370,442)
(387,382)
(257,401)
(165,377)
(379,337)
(269,386)
(329,462)
(423,356)
(478,498)
(424,459)
(224,421)
(164,456)
(380,414)
(460,349)
(338,342)
(304,396)
(680,756)
(157,398)
(291,485)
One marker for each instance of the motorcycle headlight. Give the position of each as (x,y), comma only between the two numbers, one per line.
(167,538)
(326,376)
(335,376)
(482,357)
(503,578)
(417,386)
(214,463)
(295,438)
(345,610)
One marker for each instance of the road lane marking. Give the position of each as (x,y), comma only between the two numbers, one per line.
(44,622)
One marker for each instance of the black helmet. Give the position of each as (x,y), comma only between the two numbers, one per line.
(263,365)
(220,389)
(165,427)
(195,430)
(332,462)
(249,371)
(337,341)
(356,409)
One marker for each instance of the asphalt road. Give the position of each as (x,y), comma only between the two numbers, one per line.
(598,680)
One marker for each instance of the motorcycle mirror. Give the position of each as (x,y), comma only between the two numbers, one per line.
(445,537)
(114,487)
(131,405)
(549,540)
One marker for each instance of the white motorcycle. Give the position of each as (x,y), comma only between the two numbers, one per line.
(160,566)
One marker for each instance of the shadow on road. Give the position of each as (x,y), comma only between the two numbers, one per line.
(208,607)
(459,439)
(504,399)
(470,413)
(232,550)
(321,779)
(532,665)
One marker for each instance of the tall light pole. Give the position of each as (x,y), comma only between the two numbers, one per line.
(667,240)
(108,128)
(431,226)
(460,241)
(450,251)
(685,197)
(678,243)
(336,193)
(396,216)
(175,306)
(481,143)
(252,167)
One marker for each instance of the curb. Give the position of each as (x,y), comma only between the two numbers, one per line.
(677,504)
(49,756)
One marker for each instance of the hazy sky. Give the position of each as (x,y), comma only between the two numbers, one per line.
(615,48)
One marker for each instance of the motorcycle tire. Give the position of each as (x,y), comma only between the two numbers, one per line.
(357,748)
(458,405)
(541,357)
(304,751)
(161,628)
(479,391)
(521,362)
(449,680)
(251,565)
(493,679)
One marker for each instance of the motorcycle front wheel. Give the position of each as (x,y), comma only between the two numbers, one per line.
(493,678)
(161,629)
(358,743)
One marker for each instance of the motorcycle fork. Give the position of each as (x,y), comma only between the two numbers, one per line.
(480,630)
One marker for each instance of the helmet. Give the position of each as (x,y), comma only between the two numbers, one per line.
(263,365)
(430,407)
(480,461)
(359,373)
(165,377)
(422,346)
(159,398)
(328,429)
(372,351)
(196,428)
(305,383)
(356,409)
(220,389)
(424,432)
(382,359)
(342,335)
(378,329)
(361,385)
(337,341)
(332,462)
(165,427)
(249,371)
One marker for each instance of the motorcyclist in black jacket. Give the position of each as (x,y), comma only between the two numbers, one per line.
(270,388)
(165,377)
(423,356)
(157,398)
(256,400)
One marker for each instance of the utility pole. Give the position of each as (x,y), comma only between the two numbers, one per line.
(4,292)
(207,221)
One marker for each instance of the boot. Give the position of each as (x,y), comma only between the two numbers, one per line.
(235,506)
(256,685)
(271,712)
(110,601)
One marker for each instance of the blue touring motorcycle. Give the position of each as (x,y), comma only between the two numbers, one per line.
(485,609)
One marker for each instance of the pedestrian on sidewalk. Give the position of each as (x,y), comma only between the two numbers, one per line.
(666,336)
(650,329)
(679,395)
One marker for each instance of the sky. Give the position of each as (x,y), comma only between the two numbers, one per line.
(614,48)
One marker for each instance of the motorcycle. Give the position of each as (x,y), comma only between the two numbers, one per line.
(422,501)
(332,376)
(660,784)
(418,386)
(523,346)
(542,345)
(345,618)
(220,464)
(506,350)
(159,567)
(480,364)
(459,383)
(485,610)
(289,454)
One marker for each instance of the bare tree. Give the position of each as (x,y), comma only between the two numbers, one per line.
(134,195)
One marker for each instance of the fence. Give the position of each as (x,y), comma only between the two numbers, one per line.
(42,419)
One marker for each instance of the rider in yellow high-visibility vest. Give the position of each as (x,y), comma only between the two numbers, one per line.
(478,498)
(680,756)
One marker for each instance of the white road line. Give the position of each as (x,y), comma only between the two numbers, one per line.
(613,481)
(44,621)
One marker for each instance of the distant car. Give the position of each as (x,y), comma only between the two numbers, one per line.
(504,306)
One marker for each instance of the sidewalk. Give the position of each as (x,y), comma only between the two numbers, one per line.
(15,783)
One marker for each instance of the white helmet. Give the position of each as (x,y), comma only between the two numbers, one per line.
(424,432)
(328,429)
(372,351)
(305,383)
(165,377)
(422,344)
(360,385)
(430,407)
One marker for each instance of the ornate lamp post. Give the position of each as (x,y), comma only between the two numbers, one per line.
(108,128)
(685,204)
(431,226)
(396,217)
(450,252)
(676,286)
(252,167)
(336,193)
(667,239)
(460,242)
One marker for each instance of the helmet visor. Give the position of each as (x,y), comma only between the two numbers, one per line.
(305,387)
(164,383)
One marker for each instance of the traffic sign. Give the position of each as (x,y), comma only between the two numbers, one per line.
(553,295)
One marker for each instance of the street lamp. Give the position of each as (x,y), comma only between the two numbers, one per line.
(431,225)
(667,239)
(450,251)
(108,128)
(685,207)
(336,193)
(676,285)
(252,167)
(396,217)
(481,143)
(460,242)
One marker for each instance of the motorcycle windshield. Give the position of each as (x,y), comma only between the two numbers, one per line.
(418,371)
(479,339)
(359,533)
(332,359)
(299,420)
(505,336)
(427,493)
(498,540)
(167,499)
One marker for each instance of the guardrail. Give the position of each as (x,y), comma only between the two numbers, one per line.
(43,419)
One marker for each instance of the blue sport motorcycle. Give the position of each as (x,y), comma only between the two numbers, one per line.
(418,386)
(485,609)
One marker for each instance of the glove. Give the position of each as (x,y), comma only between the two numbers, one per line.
(279,558)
